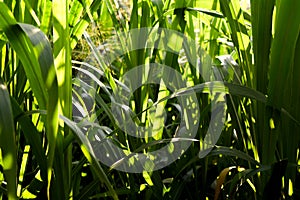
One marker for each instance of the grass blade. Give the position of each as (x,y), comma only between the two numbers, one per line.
(90,157)
(8,143)
(62,62)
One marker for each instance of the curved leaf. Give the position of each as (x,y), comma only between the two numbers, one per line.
(34,51)
(233,152)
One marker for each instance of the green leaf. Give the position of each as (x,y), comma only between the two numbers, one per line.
(32,137)
(226,151)
(261,15)
(283,51)
(88,153)
(43,53)
(62,61)
(206,11)
(8,143)
(25,50)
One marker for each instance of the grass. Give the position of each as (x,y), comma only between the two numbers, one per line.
(64,65)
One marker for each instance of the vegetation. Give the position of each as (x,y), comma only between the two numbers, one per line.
(58,83)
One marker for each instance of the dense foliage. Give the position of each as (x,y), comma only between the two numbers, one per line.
(58,86)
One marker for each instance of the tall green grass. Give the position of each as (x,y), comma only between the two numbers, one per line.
(44,151)
(37,151)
